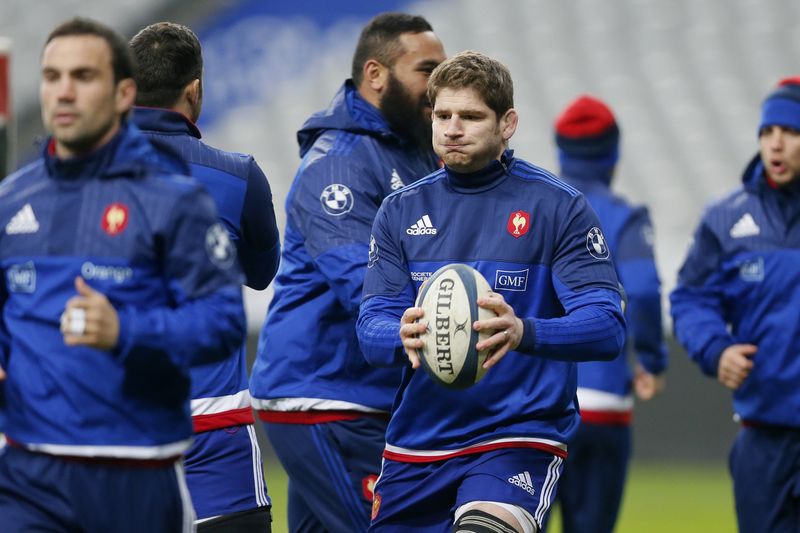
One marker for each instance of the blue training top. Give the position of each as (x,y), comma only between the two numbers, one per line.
(538,243)
(740,284)
(220,395)
(308,354)
(147,239)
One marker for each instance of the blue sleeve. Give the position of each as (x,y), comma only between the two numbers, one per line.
(378,329)
(697,303)
(388,292)
(333,205)
(592,327)
(5,339)
(259,247)
(205,321)
(636,266)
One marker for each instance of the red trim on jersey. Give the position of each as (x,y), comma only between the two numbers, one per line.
(406,458)
(315,417)
(103,461)
(225,419)
(607,418)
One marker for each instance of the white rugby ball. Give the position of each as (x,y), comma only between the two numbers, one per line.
(449,298)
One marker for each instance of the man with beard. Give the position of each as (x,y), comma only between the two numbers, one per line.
(325,409)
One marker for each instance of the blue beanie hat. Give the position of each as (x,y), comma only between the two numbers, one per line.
(782,106)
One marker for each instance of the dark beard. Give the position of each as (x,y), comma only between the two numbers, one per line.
(405,115)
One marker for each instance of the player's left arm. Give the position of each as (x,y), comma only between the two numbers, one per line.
(259,247)
(593,327)
(635,262)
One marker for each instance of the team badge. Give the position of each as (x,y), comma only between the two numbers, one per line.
(219,247)
(373,251)
(368,486)
(115,218)
(518,224)
(336,199)
(376,505)
(596,244)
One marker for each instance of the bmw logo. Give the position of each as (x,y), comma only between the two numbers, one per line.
(596,243)
(336,199)
(219,247)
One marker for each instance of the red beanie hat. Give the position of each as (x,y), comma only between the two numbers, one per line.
(586,128)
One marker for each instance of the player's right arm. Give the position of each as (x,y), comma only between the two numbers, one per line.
(697,308)
(388,302)
(735,364)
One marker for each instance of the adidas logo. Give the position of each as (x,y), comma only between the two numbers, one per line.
(396,182)
(23,222)
(523,481)
(745,227)
(423,226)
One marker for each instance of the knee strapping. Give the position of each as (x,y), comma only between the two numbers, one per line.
(475,521)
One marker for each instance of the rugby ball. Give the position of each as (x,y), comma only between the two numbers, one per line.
(449,298)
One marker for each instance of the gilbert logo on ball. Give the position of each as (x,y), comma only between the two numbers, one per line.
(449,299)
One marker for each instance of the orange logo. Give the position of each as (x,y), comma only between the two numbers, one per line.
(115,218)
(376,506)
(518,224)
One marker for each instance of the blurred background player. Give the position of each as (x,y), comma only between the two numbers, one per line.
(590,491)
(223,466)
(735,309)
(325,409)
(116,276)
(486,458)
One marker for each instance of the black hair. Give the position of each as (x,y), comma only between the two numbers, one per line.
(379,40)
(169,58)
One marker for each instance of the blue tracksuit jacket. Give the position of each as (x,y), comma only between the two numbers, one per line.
(604,387)
(220,396)
(740,283)
(308,353)
(150,242)
(554,269)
